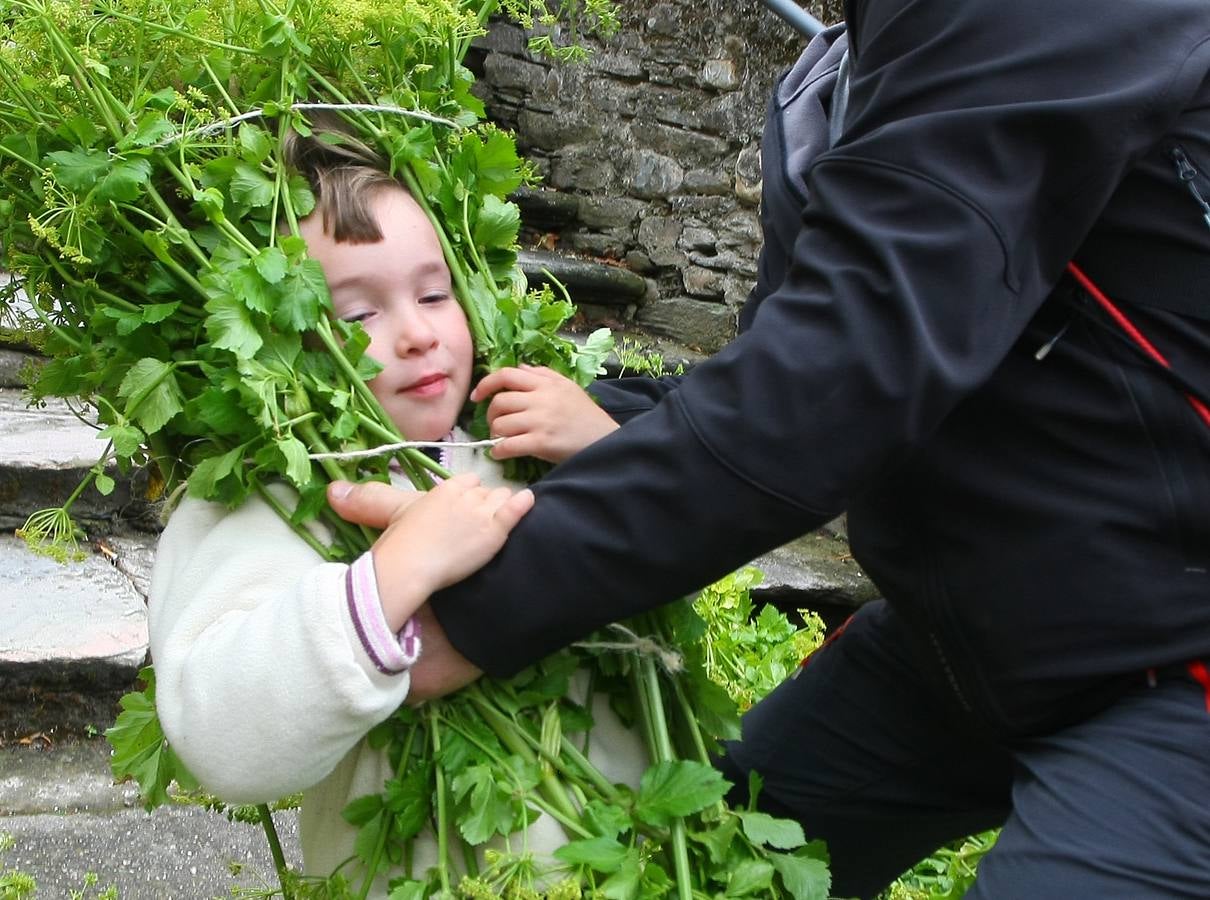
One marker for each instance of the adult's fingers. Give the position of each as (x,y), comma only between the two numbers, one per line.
(370,503)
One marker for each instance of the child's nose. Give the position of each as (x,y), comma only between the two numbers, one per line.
(415,334)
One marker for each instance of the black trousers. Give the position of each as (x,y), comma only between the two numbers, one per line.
(870,756)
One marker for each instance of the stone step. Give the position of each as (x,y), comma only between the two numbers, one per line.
(586,280)
(45,452)
(80,624)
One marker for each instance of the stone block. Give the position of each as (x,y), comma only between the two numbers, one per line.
(653,175)
(582,168)
(697,323)
(682,144)
(67,624)
(609,212)
(720,74)
(658,237)
(705,283)
(511,74)
(711,181)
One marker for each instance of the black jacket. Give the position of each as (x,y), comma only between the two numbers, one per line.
(1045,525)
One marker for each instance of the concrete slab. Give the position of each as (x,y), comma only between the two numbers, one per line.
(67,624)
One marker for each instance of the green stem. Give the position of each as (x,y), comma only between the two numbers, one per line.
(510,734)
(68,55)
(302,531)
(433,720)
(180,32)
(231,104)
(461,285)
(176,268)
(279,858)
(663,753)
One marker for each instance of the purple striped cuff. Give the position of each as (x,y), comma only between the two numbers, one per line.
(391,653)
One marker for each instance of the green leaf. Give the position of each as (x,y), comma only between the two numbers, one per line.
(719,839)
(218,410)
(298,466)
(485,808)
(207,474)
(124,181)
(152,394)
(140,751)
(408,799)
(672,789)
(601,854)
(302,198)
(360,811)
(805,877)
(248,285)
(158,312)
(126,439)
(761,828)
(79,170)
(230,326)
(606,819)
(271,264)
(624,883)
(304,293)
(498,223)
(752,876)
(103,483)
(255,143)
(251,186)
(152,128)
(496,163)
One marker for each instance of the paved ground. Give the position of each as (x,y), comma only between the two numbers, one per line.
(68,821)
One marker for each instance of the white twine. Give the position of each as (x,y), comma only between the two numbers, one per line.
(403,445)
(257,113)
(670,660)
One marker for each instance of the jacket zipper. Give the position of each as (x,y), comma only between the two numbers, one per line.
(1188,173)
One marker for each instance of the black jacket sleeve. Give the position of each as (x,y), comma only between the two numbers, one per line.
(982,141)
(625,398)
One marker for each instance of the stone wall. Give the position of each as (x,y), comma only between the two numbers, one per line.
(652,146)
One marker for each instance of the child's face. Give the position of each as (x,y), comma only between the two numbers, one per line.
(399,289)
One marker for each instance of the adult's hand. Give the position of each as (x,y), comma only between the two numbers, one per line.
(441,669)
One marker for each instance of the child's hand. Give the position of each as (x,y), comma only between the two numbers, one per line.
(540,413)
(441,537)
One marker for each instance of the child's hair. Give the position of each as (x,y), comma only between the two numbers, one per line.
(344,172)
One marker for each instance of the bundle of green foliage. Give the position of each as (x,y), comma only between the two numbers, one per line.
(151,230)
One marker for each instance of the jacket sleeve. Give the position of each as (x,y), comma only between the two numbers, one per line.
(625,398)
(262,682)
(982,140)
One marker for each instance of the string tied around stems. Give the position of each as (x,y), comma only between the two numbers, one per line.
(670,660)
(402,445)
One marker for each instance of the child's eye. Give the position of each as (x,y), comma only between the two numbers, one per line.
(435,297)
(355,316)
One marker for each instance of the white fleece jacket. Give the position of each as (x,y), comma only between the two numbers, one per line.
(264,687)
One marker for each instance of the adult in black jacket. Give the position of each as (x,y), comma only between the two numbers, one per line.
(1039,527)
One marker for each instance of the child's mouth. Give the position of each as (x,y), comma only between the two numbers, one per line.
(428,386)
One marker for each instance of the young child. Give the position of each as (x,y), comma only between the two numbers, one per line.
(271,664)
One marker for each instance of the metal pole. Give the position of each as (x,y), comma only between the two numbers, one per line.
(801,20)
